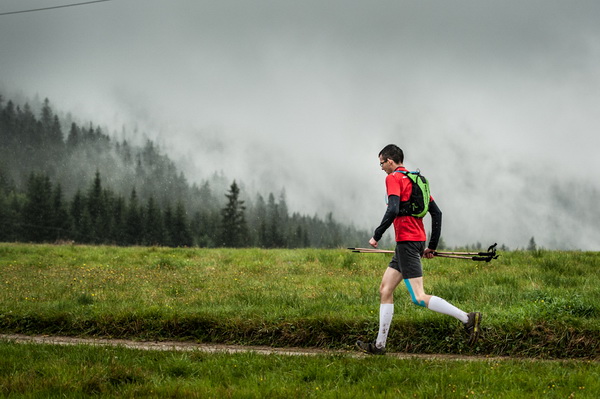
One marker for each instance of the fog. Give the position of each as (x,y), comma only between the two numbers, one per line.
(495,102)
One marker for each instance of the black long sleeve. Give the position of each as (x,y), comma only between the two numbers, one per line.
(391,212)
(436,225)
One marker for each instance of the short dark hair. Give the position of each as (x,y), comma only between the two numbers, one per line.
(393,152)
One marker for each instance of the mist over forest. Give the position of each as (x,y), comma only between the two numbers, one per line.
(554,209)
(64,181)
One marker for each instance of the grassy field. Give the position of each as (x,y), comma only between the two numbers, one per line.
(541,304)
(538,305)
(46,371)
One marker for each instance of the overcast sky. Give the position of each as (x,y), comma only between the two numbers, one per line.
(304,94)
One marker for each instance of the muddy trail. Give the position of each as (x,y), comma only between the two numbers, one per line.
(231,349)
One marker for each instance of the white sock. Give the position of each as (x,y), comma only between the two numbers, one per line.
(386,312)
(439,305)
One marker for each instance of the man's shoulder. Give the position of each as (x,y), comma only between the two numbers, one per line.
(394,178)
(397,176)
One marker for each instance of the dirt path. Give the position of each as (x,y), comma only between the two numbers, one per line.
(160,345)
(217,348)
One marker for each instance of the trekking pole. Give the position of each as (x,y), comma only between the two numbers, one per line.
(383,251)
(491,251)
(474,256)
(371,251)
(486,256)
(464,253)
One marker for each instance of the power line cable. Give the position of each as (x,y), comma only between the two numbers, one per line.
(52,8)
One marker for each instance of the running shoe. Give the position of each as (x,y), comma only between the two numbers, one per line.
(472,327)
(370,348)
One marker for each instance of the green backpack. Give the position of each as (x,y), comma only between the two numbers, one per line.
(418,203)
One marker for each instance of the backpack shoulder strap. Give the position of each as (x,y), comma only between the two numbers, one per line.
(409,173)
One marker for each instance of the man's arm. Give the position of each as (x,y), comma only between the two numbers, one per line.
(436,229)
(391,212)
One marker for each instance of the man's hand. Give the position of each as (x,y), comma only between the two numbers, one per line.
(373,243)
(428,253)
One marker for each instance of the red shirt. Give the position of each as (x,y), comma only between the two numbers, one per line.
(407,228)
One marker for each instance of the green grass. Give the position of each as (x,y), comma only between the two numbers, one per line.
(535,304)
(34,371)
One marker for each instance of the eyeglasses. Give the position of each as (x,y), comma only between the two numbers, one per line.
(381,163)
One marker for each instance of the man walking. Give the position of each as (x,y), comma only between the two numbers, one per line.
(410,247)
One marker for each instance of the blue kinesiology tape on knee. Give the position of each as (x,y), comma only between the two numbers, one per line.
(412,294)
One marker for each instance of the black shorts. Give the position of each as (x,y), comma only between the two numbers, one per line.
(407,258)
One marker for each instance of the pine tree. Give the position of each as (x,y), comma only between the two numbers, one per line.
(86,227)
(118,232)
(274,227)
(76,215)
(154,229)
(8,126)
(74,137)
(96,206)
(168,238)
(29,139)
(204,224)
(180,231)
(332,238)
(134,221)
(60,214)
(14,212)
(6,224)
(258,222)
(532,246)
(51,131)
(37,213)
(234,229)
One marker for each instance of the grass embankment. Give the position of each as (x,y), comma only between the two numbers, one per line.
(45,371)
(542,304)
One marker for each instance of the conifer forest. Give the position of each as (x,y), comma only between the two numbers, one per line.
(61,181)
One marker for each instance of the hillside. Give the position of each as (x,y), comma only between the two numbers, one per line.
(78,183)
